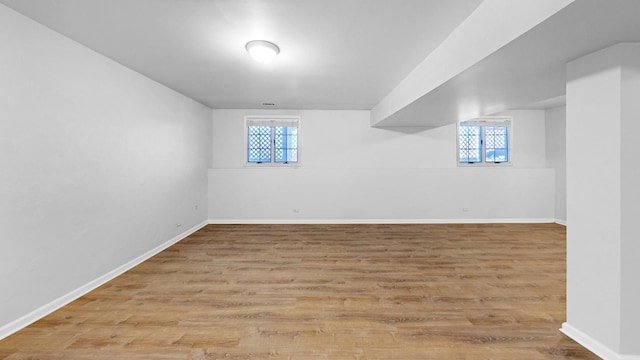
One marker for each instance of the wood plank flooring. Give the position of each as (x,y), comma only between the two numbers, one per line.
(474,291)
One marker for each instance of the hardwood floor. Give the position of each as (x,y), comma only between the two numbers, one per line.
(491,291)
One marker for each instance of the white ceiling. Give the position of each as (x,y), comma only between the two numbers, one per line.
(529,72)
(344,54)
(335,54)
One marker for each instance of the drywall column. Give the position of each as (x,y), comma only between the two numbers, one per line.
(603,236)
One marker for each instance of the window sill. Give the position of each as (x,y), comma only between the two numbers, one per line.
(271,166)
(484,164)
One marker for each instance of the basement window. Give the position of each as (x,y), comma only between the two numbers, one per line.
(272,140)
(484,141)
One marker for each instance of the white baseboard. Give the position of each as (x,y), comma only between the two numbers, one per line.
(561,222)
(593,345)
(47,309)
(378,221)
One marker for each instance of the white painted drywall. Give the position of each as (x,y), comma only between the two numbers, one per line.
(528,146)
(603,291)
(593,197)
(555,135)
(491,26)
(351,171)
(630,202)
(99,165)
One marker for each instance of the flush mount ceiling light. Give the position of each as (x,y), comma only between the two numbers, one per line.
(262,51)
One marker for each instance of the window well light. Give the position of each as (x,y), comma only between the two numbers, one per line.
(262,51)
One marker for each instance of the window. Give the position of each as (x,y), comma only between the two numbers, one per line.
(272,140)
(484,141)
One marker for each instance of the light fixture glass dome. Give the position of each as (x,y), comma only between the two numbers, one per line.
(262,51)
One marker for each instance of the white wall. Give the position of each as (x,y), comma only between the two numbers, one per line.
(352,172)
(99,165)
(630,201)
(555,136)
(593,204)
(603,291)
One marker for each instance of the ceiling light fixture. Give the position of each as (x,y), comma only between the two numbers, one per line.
(262,51)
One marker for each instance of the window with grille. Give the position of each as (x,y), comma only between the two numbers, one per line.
(272,140)
(484,141)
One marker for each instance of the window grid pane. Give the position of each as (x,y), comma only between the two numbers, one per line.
(268,144)
(259,144)
(497,143)
(470,144)
(286,144)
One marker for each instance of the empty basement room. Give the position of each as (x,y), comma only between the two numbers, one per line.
(296,179)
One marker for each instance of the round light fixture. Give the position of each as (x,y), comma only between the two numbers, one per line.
(262,51)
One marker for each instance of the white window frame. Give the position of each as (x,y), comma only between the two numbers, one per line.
(484,122)
(265,120)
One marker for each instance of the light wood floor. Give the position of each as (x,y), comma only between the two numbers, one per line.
(325,292)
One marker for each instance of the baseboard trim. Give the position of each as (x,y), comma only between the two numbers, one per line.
(593,345)
(47,309)
(378,221)
(561,222)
